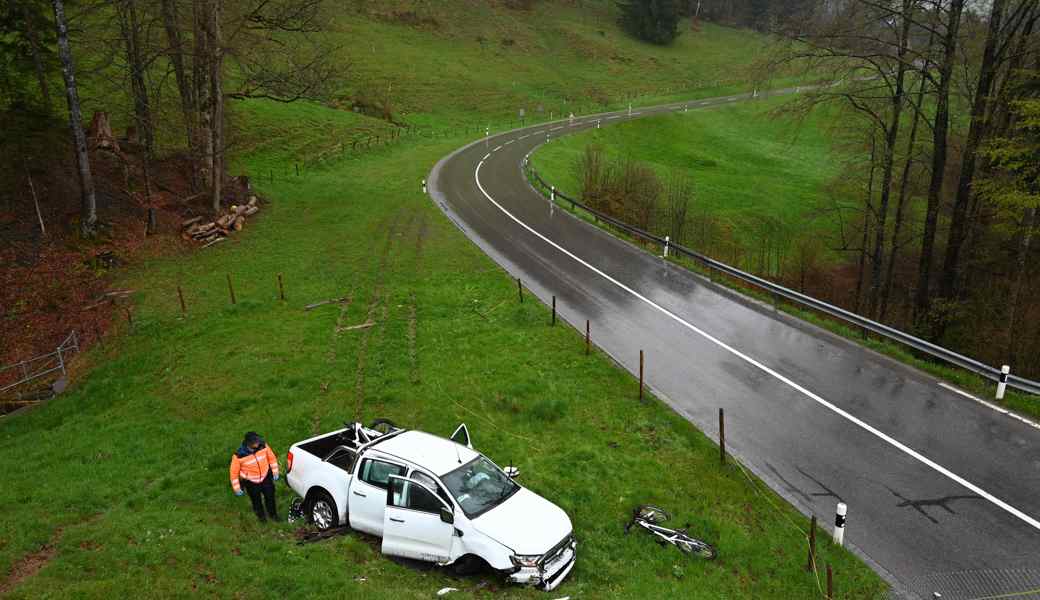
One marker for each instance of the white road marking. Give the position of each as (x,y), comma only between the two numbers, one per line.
(556,128)
(841,412)
(523,137)
(995,407)
(509,142)
(497,148)
(485,157)
(614,117)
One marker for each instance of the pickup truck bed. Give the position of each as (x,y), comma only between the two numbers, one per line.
(323,446)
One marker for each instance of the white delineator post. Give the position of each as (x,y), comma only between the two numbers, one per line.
(597,123)
(839,524)
(1002,382)
(487,136)
(630,109)
(666,240)
(424,186)
(552,193)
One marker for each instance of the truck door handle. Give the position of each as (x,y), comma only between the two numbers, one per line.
(397,520)
(360,494)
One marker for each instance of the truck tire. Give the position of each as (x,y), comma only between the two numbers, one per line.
(468,565)
(321,510)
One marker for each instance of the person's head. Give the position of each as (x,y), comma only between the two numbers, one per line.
(253,441)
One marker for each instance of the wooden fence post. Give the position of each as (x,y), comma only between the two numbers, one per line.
(180,295)
(587,342)
(231,290)
(520,290)
(640,375)
(554,311)
(722,437)
(281,288)
(812,544)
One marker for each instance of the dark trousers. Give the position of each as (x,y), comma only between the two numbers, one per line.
(266,489)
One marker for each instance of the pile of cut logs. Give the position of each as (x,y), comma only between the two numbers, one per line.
(214,231)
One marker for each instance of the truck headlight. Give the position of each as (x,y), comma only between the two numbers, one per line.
(525,560)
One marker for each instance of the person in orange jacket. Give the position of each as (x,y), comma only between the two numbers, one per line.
(255,467)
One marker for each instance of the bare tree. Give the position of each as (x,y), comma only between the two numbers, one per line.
(88,202)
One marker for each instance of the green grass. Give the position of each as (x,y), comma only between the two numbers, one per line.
(124,477)
(745,162)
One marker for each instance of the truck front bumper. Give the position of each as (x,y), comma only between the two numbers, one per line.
(551,573)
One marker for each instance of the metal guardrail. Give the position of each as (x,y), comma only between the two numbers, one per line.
(934,350)
(52,362)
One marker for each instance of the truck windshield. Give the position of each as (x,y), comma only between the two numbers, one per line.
(478,486)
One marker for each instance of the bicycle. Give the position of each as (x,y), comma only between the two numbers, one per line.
(649,518)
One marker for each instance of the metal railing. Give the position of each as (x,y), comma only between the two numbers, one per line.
(924,346)
(41,366)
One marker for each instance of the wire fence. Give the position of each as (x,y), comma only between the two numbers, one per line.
(25,372)
(778,291)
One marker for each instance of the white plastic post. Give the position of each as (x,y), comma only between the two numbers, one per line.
(839,524)
(755,93)
(424,186)
(597,123)
(552,193)
(666,246)
(630,109)
(1002,382)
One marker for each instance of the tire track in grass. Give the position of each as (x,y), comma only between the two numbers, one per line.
(413,308)
(330,358)
(378,310)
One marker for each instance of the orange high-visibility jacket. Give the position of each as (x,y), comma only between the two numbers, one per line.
(253,467)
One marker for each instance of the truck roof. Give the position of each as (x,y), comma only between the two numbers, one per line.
(437,454)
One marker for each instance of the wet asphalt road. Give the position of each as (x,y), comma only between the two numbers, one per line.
(935,482)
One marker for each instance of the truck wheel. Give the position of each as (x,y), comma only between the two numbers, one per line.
(322,511)
(468,565)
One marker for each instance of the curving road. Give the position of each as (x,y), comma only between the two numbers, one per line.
(936,483)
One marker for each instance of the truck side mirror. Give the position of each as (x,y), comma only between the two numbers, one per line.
(447,516)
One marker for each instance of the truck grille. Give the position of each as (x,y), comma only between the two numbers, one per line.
(556,550)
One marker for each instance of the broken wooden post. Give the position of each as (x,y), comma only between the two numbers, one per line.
(231,290)
(180,296)
(520,290)
(281,288)
(830,583)
(722,437)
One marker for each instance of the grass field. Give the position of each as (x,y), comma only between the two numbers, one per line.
(746,163)
(120,485)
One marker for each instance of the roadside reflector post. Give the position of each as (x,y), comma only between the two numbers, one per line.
(1002,383)
(722,437)
(666,242)
(520,290)
(424,186)
(231,290)
(839,523)
(552,193)
(597,123)
(641,375)
(587,342)
(812,544)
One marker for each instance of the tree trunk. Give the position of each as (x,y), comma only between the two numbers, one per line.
(216,77)
(176,56)
(135,63)
(904,184)
(201,72)
(939,154)
(1021,260)
(866,227)
(34,47)
(88,202)
(976,131)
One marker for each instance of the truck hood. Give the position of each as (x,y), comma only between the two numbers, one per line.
(526,523)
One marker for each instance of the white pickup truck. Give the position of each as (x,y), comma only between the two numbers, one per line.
(432,499)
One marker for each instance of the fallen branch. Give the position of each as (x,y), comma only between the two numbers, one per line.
(324,302)
(352,327)
(208,244)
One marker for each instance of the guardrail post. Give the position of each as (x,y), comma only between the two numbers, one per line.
(1002,383)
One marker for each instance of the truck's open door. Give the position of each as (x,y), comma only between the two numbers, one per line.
(417,523)
(461,436)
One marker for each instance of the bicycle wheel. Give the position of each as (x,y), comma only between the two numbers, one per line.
(652,514)
(695,547)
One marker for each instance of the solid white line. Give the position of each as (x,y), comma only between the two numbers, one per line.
(556,128)
(497,148)
(995,407)
(851,418)
(509,142)
(614,117)
(523,137)
(485,157)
